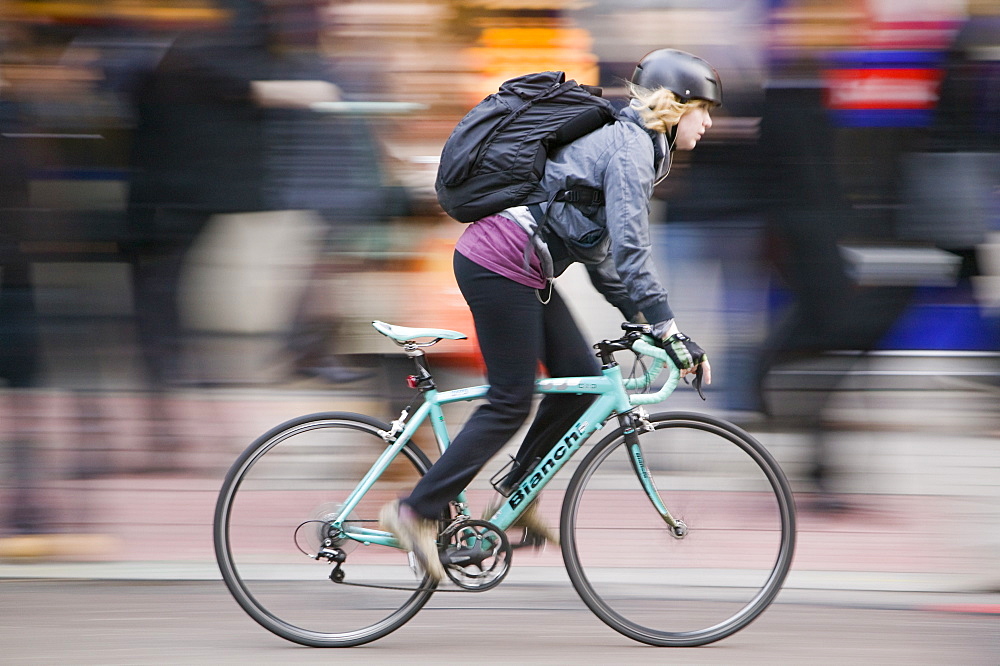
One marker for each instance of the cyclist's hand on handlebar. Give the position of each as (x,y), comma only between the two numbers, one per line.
(685,353)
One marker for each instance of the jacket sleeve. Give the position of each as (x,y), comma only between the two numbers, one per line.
(628,185)
(605,279)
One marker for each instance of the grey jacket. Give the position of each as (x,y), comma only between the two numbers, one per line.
(612,240)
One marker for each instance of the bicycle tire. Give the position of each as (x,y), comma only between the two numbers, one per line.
(272,500)
(690,591)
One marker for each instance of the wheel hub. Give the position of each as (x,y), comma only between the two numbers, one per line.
(318,534)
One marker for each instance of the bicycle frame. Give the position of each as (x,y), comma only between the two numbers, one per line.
(612,398)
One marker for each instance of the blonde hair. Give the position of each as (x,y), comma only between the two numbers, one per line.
(661,109)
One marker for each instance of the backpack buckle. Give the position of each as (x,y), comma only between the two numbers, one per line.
(586,195)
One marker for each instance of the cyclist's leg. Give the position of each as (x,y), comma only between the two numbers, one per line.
(510,330)
(566,353)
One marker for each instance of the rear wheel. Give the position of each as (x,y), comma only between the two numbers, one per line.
(643,578)
(273,513)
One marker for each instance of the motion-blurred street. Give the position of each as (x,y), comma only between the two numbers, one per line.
(525,621)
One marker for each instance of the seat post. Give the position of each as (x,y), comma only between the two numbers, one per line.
(423,380)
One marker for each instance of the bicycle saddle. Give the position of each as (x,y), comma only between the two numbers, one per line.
(406,333)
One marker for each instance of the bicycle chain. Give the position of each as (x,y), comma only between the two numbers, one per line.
(404,589)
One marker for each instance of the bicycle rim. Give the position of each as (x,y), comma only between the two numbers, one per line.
(272,506)
(665,591)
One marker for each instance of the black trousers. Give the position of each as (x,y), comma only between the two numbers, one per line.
(515,332)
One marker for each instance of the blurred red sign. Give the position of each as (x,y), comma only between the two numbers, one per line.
(882,88)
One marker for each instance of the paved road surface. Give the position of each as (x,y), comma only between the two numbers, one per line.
(176,622)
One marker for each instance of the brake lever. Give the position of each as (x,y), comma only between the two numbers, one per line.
(699,377)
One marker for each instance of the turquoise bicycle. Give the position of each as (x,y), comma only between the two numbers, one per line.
(677,529)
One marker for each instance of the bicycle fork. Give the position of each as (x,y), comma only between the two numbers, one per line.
(629,420)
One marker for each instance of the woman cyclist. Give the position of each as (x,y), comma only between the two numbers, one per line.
(519,315)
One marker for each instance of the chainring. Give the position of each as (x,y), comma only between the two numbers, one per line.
(477,556)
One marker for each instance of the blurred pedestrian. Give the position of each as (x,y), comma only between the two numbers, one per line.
(809,218)
(20,365)
(226,126)
(328,163)
(197,151)
(953,180)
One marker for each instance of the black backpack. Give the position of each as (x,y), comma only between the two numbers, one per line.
(495,156)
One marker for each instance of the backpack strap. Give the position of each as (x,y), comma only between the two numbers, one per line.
(537,244)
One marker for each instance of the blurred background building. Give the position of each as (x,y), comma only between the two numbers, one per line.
(834,242)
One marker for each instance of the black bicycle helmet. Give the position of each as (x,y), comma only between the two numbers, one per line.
(687,76)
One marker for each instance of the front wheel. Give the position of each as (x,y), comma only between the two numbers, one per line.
(697,584)
(275,510)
